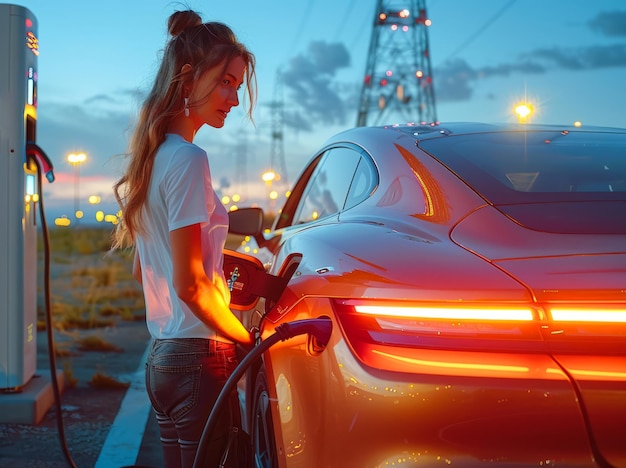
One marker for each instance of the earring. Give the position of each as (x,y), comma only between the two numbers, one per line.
(186,107)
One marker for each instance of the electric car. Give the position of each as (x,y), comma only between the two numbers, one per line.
(475,279)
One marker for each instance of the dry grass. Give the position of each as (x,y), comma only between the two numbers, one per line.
(95,343)
(100,380)
(68,373)
(90,287)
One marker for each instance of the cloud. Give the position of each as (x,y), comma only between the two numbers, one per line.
(605,57)
(311,84)
(610,23)
(506,69)
(591,57)
(454,79)
(101,134)
(100,99)
(296,120)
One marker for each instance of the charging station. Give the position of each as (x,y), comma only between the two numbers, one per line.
(26,397)
(18,190)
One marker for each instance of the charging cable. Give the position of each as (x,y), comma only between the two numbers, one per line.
(320,328)
(45,166)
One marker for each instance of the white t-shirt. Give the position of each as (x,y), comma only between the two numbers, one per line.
(180,194)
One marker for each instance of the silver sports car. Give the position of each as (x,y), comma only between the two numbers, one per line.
(475,278)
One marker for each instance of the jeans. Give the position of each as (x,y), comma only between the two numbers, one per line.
(184,377)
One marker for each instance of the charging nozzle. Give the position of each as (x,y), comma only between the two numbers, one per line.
(320,329)
(41,159)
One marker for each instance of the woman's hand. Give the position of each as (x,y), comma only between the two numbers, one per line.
(196,290)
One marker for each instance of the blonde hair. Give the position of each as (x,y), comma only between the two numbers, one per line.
(202,45)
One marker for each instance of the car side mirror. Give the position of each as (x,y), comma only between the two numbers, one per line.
(245,221)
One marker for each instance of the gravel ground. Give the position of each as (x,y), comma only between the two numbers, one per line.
(88,411)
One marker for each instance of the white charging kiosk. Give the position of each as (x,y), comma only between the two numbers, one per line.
(19,49)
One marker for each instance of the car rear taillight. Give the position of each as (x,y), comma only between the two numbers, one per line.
(588,314)
(588,329)
(442,326)
(413,328)
(448,313)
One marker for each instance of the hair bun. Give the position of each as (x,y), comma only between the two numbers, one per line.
(181,20)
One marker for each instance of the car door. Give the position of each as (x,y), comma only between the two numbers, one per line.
(317,198)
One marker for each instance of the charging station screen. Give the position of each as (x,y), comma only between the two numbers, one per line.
(32,87)
(30,184)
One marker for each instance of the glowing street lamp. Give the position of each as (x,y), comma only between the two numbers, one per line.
(268,177)
(523,111)
(95,200)
(62,221)
(76,159)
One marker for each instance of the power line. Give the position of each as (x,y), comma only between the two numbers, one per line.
(481,29)
(305,18)
(345,20)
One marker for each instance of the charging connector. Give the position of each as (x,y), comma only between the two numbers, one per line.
(44,165)
(41,159)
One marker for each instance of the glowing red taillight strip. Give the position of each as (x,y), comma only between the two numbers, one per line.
(589,315)
(454,313)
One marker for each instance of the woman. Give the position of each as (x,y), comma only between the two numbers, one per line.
(178,226)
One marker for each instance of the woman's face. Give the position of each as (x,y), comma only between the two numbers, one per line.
(213,95)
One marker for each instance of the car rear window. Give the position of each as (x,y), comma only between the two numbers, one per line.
(578,177)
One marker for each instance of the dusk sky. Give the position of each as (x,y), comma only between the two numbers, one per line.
(568,57)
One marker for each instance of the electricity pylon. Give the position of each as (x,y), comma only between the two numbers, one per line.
(277,149)
(241,163)
(398,79)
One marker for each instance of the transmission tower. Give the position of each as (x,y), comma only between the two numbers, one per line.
(277,149)
(241,163)
(398,76)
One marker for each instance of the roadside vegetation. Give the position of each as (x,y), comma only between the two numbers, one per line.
(91,289)
(90,286)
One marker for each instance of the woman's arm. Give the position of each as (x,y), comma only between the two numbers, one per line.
(195,289)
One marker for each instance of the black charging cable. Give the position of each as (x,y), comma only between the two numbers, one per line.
(44,166)
(320,329)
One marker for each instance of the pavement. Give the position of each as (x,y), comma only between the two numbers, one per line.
(104,426)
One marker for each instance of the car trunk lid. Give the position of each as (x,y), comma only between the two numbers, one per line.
(579,280)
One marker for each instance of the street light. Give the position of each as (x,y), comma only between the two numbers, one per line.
(76,159)
(94,199)
(268,177)
(523,111)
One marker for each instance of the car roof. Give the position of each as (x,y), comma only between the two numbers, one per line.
(424,131)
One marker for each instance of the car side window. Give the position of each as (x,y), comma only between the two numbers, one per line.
(286,214)
(363,183)
(327,189)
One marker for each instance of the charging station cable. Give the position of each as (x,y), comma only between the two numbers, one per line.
(320,329)
(45,166)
